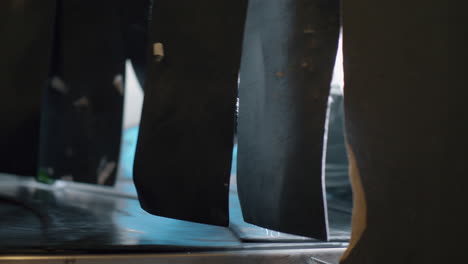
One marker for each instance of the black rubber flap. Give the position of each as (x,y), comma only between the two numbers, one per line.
(287,63)
(184,150)
(406,121)
(82,114)
(25,42)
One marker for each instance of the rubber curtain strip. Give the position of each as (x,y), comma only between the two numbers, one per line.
(82,114)
(184,150)
(398,98)
(26,29)
(287,63)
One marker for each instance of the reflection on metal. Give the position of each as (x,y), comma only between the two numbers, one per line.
(100,219)
(85,219)
(113,217)
(26,37)
(339,218)
(82,109)
(282,256)
(318,261)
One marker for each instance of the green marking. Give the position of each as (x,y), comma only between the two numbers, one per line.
(44,177)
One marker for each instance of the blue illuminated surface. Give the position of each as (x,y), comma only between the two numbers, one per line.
(94,218)
(127,155)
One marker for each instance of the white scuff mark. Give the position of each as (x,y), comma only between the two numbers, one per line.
(67,177)
(158,51)
(119,83)
(105,170)
(130,230)
(50,171)
(279,74)
(58,85)
(309,30)
(82,102)
(101,165)
(317,261)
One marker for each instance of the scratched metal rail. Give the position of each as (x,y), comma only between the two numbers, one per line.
(78,223)
(95,223)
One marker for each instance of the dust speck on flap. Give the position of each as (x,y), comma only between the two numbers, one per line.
(82,102)
(119,83)
(158,51)
(105,170)
(58,85)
